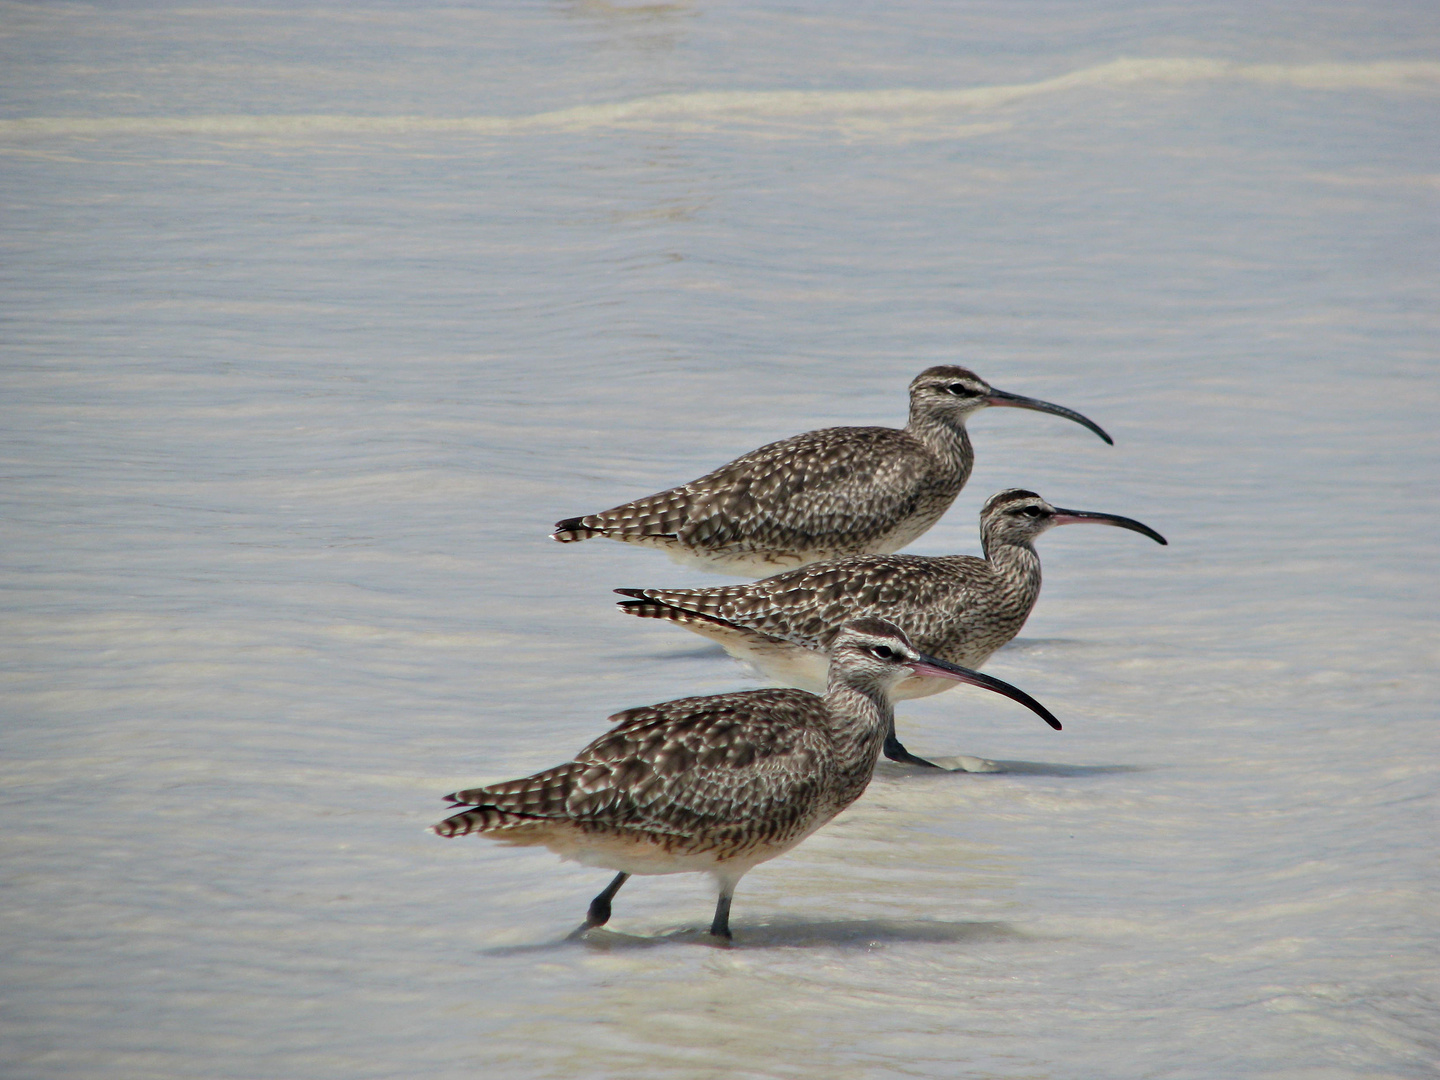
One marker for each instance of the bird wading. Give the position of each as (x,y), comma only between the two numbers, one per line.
(825,494)
(956,607)
(716,784)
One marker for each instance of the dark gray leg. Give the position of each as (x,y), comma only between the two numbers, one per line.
(895,752)
(720,927)
(599,913)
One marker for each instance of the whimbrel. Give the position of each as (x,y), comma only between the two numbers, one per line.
(716,784)
(825,494)
(956,607)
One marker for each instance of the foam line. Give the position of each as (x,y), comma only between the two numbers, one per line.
(759,107)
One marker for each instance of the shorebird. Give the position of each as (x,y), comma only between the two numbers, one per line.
(828,493)
(956,607)
(716,784)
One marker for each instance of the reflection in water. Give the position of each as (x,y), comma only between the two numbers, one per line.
(824,933)
(830,1008)
(647,32)
(781,933)
(1045,768)
(968,766)
(642,12)
(809,987)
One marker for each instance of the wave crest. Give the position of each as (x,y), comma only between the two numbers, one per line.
(854,111)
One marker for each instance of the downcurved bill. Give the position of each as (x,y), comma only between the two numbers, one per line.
(1071,517)
(942,669)
(1016,401)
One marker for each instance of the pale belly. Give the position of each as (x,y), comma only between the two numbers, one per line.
(758,564)
(640,853)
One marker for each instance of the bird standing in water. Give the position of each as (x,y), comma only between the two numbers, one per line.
(821,495)
(716,784)
(956,607)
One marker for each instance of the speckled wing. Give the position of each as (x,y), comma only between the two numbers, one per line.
(743,761)
(856,484)
(853,484)
(932,599)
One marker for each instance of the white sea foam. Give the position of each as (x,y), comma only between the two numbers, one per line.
(855,112)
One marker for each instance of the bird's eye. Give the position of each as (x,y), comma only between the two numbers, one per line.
(884,652)
(1033,512)
(959,389)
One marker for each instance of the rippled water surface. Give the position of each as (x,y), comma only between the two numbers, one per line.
(315,320)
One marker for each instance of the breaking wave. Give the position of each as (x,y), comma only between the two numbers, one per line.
(855,111)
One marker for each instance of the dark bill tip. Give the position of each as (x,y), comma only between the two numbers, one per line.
(943,669)
(1016,401)
(1064,517)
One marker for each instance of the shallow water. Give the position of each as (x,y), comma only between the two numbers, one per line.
(290,401)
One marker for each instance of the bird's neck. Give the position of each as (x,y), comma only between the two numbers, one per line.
(1016,563)
(944,435)
(862,716)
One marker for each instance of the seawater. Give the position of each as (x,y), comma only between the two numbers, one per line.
(316,320)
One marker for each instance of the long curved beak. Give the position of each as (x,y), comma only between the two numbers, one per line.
(1016,401)
(943,669)
(1070,517)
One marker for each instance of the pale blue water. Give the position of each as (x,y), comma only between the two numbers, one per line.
(289,406)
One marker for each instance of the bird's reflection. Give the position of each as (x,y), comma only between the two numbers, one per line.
(785,934)
(970,766)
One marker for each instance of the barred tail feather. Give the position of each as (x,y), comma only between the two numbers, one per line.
(512,803)
(475,819)
(573,530)
(654,609)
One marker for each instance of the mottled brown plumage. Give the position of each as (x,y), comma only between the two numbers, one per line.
(748,762)
(955,607)
(714,784)
(821,495)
